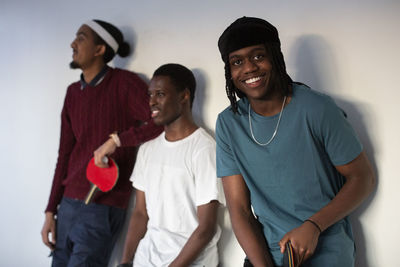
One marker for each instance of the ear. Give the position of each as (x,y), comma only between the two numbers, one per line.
(186,95)
(100,50)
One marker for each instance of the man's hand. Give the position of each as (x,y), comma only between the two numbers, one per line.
(104,150)
(304,240)
(49,226)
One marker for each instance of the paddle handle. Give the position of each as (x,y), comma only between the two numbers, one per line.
(91,194)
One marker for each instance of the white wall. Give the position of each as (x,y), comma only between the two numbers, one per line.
(346,48)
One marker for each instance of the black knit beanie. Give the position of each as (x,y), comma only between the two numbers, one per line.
(244,32)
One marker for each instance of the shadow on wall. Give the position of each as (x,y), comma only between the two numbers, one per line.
(131,38)
(315,66)
(116,255)
(200,99)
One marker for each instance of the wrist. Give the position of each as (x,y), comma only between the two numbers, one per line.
(114,137)
(315,224)
(49,214)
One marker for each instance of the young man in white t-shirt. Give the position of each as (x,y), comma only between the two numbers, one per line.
(174,222)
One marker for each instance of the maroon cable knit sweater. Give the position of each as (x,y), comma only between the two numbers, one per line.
(118,103)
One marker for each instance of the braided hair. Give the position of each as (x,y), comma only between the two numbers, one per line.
(279,80)
(245,32)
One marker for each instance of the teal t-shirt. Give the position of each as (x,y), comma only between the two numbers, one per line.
(294,176)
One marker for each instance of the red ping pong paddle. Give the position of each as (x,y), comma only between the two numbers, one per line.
(101,178)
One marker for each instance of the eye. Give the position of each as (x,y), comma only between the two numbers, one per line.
(160,94)
(258,57)
(80,38)
(236,62)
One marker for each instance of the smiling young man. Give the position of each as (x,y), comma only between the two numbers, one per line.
(289,153)
(174,222)
(106,104)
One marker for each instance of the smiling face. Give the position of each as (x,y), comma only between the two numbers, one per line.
(251,71)
(166,103)
(84,48)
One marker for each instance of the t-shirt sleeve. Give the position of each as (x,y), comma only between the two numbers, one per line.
(226,164)
(137,178)
(207,186)
(339,138)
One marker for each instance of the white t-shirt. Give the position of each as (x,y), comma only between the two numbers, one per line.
(176,177)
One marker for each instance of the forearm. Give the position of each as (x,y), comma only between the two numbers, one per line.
(66,146)
(245,226)
(360,181)
(248,232)
(193,247)
(55,197)
(136,231)
(135,136)
(349,197)
(57,187)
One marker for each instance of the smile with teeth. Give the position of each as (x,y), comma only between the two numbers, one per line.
(252,80)
(154,113)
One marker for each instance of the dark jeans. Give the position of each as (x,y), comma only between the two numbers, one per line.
(86,234)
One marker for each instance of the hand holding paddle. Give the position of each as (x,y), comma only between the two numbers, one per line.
(101,178)
(102,151)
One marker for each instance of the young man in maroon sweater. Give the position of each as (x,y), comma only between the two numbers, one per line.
(110,107)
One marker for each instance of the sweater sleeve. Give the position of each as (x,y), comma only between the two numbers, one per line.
(67,143)
(140,110)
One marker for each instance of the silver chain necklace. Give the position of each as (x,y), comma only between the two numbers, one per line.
(276,127)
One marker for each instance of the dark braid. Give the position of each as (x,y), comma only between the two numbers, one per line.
(281,81)
(230,88)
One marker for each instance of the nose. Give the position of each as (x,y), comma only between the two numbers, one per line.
(152,100)
(249,66)
(73,44)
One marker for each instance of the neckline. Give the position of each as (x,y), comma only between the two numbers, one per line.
(258,117)
(96,80)
(178,142)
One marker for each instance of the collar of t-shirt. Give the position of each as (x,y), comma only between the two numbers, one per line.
(96,80)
